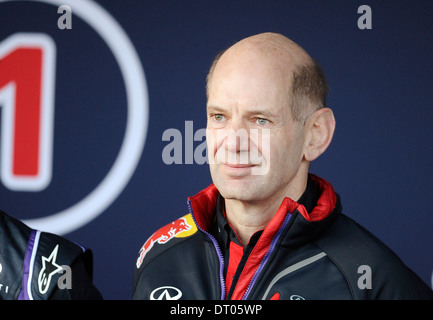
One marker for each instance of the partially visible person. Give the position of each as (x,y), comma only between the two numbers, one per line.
(37,265)
(267,228)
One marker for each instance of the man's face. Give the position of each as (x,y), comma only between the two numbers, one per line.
(255,148)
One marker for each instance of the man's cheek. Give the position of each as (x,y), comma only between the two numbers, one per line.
(261,151)
(215,144)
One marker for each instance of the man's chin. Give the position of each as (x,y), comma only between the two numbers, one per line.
(239,196)
(237,190)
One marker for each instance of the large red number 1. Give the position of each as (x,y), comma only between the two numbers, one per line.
(27,71)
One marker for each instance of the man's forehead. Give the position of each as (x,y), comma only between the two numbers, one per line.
(272,47)
(249,77)
(247,65)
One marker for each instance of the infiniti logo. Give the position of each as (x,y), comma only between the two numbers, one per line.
(296,297)
(166,293)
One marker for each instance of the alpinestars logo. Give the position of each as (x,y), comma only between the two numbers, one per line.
(49,269)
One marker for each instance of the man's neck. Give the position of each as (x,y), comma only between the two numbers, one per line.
(248,217)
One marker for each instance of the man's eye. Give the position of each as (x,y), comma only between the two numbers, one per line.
(218,117)
(262,121)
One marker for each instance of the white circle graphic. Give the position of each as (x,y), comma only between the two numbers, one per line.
(136,123)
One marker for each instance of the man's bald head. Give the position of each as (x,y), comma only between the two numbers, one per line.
(306,84)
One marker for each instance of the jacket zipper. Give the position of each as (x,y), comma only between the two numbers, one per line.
(217,249)
(266,256)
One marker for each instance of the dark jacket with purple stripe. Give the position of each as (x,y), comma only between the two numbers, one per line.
(36,265)
(322,254)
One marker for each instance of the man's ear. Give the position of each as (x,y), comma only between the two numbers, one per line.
(320,127)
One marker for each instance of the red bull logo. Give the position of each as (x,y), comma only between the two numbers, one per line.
(180,228)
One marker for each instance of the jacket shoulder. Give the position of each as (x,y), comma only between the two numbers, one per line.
(13,242)
(165,237)
(64,270)
(43,258)
(165,253)
(371,268)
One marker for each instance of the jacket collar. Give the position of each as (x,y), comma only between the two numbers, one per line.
(291,225)
(204,205)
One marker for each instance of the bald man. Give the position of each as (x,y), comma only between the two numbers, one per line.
(267,228)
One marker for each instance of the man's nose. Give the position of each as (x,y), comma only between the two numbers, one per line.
(237,137)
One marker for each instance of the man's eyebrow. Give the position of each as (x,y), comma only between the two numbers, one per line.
(261,112)
(253,112)
(212,108)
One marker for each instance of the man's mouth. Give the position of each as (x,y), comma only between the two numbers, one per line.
(239,166)
(237,170)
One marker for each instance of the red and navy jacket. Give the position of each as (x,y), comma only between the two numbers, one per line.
(321,254)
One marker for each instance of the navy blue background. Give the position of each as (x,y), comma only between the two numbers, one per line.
(380,160)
